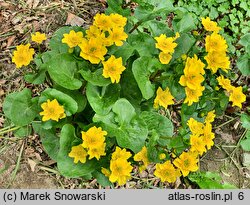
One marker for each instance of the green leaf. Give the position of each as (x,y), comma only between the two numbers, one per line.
(56,44)
(125,52)
(209,180)
(65,164)
(245,40)
(63,69)
(148,10)
(20,108)
(245,143)
(115,6)
(101,99)
(142,69)
(95,78)
(167,5)
(184,24)
(129,129)
(124,111)
(36,78)
(102,179)
(162,125)
(50,140)
(184,43)
(69,104)
(143,43)
(23,132)
(187,112)
(79,97)
(245,120)
(151,148)
(156,28)
(244,64)
(133,135)
(130,89)
(177,144)
(244,5)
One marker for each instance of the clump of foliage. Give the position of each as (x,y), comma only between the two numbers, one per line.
(112,89)
(233,16)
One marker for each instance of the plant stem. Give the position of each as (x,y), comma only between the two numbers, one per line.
(3,131)
(225,123)
(135,27)
(17,165)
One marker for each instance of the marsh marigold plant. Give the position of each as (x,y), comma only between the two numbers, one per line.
(129,94)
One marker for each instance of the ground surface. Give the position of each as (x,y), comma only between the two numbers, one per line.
(23,163)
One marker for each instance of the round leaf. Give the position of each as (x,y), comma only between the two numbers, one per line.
(50,140)
(95,78)
(62,69)
(69,104)
(101,99)
(20,101)
(66,165)
(142,69)
(124,110)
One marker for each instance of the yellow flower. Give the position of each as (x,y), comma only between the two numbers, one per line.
(103,22)
(215,42)
(191,80)
(193,71)
(195,64)
(23,55)
(166,44)
(78,153)
(208,136)
(118,20)
(165,57)
(94,32)
(120,153)
(163,98)
(117,35)
(162,156)
(224,83)
(166,172)
(106,172)
(38,37)
(142,156)
(113,68)
(183,56)
(210,117)
(210,25)
(120,171)
(195,126)
(97,151)
(237,96)
(197,144)
(193,95)
(73,39)
(187,162)
(52,110)
(216,60)
(93,50)
(195,33)
(94,137)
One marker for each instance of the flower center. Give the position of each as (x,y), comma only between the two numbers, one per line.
(186,162)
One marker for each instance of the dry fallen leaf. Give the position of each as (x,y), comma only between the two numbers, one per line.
(74,20)
(32,3)
(35,3)
(10,41)
(32,164)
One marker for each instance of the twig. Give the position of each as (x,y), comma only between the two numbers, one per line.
(225,123)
